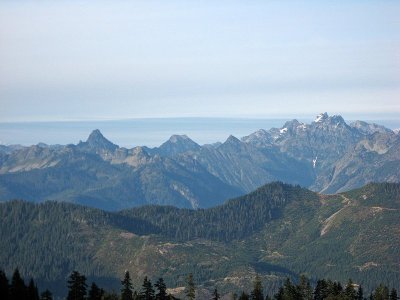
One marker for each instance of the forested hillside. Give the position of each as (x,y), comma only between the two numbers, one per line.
(278,231)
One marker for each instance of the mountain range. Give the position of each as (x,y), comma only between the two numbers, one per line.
(277,231)
(327,156)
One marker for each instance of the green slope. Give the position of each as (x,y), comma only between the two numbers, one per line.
(278,230)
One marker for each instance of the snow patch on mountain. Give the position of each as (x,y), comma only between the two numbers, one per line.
(315,161)
(321,117)
(302,126)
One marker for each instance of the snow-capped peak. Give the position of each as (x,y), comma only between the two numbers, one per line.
(321,117)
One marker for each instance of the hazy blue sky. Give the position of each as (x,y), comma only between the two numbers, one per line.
(74,60)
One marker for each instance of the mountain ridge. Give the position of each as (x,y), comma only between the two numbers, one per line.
(307,154)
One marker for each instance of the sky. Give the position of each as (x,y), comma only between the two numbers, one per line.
(101,60)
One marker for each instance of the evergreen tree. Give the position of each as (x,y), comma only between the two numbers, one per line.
(216,296)
(393,294)
(360,293)
(385,293)
(257,292)
(191,290)
(77,286)
(46,295)
(349,290)
(290,292)
(147,290)
(32,291)
(127,288)
(309,292)
(162,289)
(244,296)
(280,295)
(337,288)
(234,296)
(304,289)
(321,290)
(268,298)
(4,286)
(378,294)
(18,288)
(95,292)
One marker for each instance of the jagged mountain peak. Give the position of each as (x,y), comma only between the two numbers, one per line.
(96,141)
(328,121)
(321,117)
(324,117)
(232,140)
(95,135)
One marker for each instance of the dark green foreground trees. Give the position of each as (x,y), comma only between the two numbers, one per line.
(78,290)
(17,289)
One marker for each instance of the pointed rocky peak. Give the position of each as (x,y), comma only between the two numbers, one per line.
(97,142)
(96,136)
(232,143)
(321,117)
(175,145)
(231,140)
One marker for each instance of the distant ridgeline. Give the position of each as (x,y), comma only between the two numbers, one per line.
(327,156)
(78,289)
(278,231)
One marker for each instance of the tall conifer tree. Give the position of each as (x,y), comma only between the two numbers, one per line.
(95,292)
(18,288)
(147,290)
(257,292)
(393,294)
(190,287)
(127,288)
(162,289)
(32,291)
(4,286)
(77,286)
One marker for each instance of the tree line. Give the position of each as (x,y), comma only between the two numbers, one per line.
(78,290)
